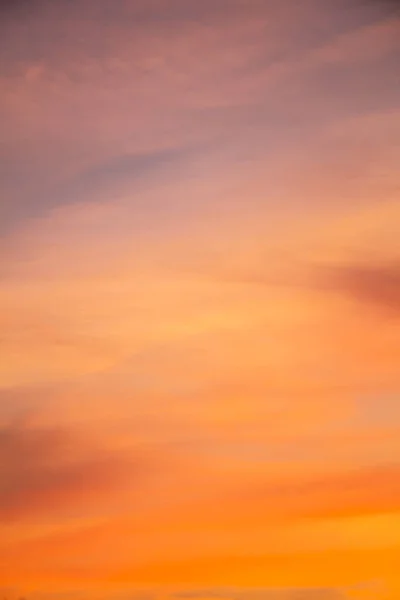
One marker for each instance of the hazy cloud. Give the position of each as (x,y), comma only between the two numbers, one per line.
(263,594)
(378,286)
(199,239)
(44,469)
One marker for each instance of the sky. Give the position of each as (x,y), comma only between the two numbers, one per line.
(199,300)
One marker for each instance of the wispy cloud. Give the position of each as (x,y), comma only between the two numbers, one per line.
(199,287)
(376,286)
(267,594)
(46,470)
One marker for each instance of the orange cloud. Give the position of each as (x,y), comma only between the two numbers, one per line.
(199,269)
(376,285)
(45,471)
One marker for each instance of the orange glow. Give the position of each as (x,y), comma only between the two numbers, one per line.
(200,300)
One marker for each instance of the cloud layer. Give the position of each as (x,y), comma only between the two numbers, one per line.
(46,470)
(199,294)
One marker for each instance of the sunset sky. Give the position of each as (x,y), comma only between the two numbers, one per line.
(199,300)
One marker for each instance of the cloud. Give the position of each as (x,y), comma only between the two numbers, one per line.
(378,286)
(385,6)
(44,470)
(12,5)
(327,593)
(125,174)
(157,156)
(74,101)
(214,593)
(369,490)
